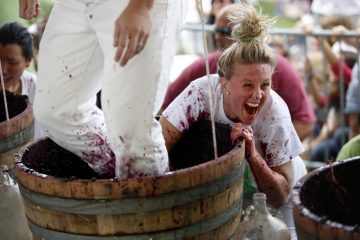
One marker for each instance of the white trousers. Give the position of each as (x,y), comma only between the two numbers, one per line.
(298,169)
(76,60)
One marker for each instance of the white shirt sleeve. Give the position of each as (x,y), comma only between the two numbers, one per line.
(189,106)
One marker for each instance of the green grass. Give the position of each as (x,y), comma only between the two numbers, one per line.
(268,8)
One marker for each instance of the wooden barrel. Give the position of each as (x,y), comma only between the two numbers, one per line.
(199,202)
(326,202)
(18,131)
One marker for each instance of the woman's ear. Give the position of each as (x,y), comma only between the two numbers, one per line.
(224,84)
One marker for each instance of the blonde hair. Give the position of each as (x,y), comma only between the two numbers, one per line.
(249,32)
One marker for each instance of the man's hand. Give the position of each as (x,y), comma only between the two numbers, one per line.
(132,30)
(29,9)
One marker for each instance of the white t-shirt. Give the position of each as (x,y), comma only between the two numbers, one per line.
(28,87)
(275,137)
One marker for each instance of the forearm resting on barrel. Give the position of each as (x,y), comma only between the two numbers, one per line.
(171,134)
(274,182)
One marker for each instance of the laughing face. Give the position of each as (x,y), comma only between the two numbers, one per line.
(13,65)
(246,91)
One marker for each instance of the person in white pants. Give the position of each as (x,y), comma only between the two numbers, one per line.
(124,48)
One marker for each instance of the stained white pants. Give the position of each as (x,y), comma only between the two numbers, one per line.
(76,60)
(298,169)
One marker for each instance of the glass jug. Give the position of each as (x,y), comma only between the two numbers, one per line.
(259,224)
(13,223)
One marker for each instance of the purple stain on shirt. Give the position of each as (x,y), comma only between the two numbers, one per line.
(269,159)
(268,155)
(190,118)
(203,115)
(286,142)
(182,125)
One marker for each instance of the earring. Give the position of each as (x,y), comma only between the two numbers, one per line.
(227,93)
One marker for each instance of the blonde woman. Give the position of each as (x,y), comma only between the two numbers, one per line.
(245,101)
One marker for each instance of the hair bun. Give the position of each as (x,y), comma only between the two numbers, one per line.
(248,25)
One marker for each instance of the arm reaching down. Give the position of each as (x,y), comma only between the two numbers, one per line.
(275,182)
(171,134)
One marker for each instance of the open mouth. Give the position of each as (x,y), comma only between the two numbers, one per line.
(251,108)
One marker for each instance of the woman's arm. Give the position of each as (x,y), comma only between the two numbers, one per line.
(314,88)
(171,134)
(275,182)
(335,62)
(328,129)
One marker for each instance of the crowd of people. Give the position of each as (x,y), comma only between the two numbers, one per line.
(273,103)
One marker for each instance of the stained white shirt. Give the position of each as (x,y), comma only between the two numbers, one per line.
(275,137)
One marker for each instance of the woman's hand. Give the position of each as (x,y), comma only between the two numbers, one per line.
(275,181)
(132,29)
(241,132)
(29,9)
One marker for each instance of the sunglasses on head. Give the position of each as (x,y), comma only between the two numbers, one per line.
(226,31)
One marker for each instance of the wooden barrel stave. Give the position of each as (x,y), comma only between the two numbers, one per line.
(214,228)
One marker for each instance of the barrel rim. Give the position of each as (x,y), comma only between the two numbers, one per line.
(28,113)
(298,206)
(222,166)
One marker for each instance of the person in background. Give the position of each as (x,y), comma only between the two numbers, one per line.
(350,149)
(243,99)
(216,6)
(9,12)
(16,53)
(285,81)
(124,48)
(352,104)
(281,48)
(346,8)
(327,143)
(332,134)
